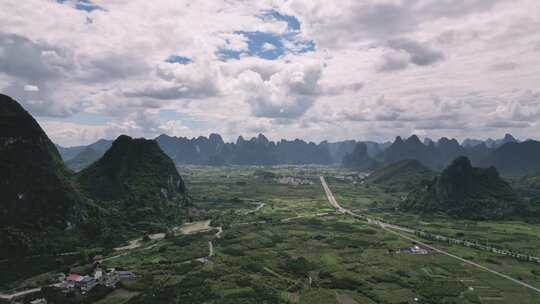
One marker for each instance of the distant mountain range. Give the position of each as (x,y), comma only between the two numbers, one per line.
(360,159)
(44,207)
(507,154)
(100,147)
(213,150)
(515,158)
(490,143)
(255,151)
(79,157)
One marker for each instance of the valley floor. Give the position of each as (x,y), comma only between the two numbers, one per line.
(265,241)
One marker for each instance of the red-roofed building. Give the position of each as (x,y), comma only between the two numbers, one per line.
(73,277)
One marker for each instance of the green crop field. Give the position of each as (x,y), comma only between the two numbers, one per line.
(282,242)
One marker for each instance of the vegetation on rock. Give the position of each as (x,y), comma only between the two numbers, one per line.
(467,192)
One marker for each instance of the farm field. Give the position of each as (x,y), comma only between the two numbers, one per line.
(282,242)
(296,249)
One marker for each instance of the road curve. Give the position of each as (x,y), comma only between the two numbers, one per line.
(388,228)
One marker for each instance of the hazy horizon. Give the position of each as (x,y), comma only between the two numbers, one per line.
(234,139)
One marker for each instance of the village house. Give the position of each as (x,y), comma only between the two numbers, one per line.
(418,250)
(85,283)
(412,250)
(125,275)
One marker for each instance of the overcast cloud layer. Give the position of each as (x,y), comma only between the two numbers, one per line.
(312,69)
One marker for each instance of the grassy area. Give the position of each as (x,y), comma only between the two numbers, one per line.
(295,249)
(378,202)
(317,259)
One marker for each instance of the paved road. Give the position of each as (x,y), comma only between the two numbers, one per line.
(392,229)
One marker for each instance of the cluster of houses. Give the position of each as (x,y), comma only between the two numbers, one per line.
(85,283)
(289,180)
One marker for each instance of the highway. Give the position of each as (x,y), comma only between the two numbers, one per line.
(391,228)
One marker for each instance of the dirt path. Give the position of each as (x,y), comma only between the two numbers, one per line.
(138,242)
(286,220)
(343,298)
(12,296)
(15,295)
(219,232)
(189,228)
(195,227)
(210,249)
(389,228)
(256,209)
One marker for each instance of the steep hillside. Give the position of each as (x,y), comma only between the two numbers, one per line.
(137,179)
(404,175)
(37,193)
(45,208)
(467,192)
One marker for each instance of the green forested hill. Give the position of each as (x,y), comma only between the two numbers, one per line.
(138,179)
(403,175)
(37,192)
(46,208)
(468,192)
(134,186)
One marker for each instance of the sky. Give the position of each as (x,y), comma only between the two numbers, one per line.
(311,69)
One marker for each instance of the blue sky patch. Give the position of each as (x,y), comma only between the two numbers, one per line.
(82,5)
(271,46)
(178,59)
(293,24)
